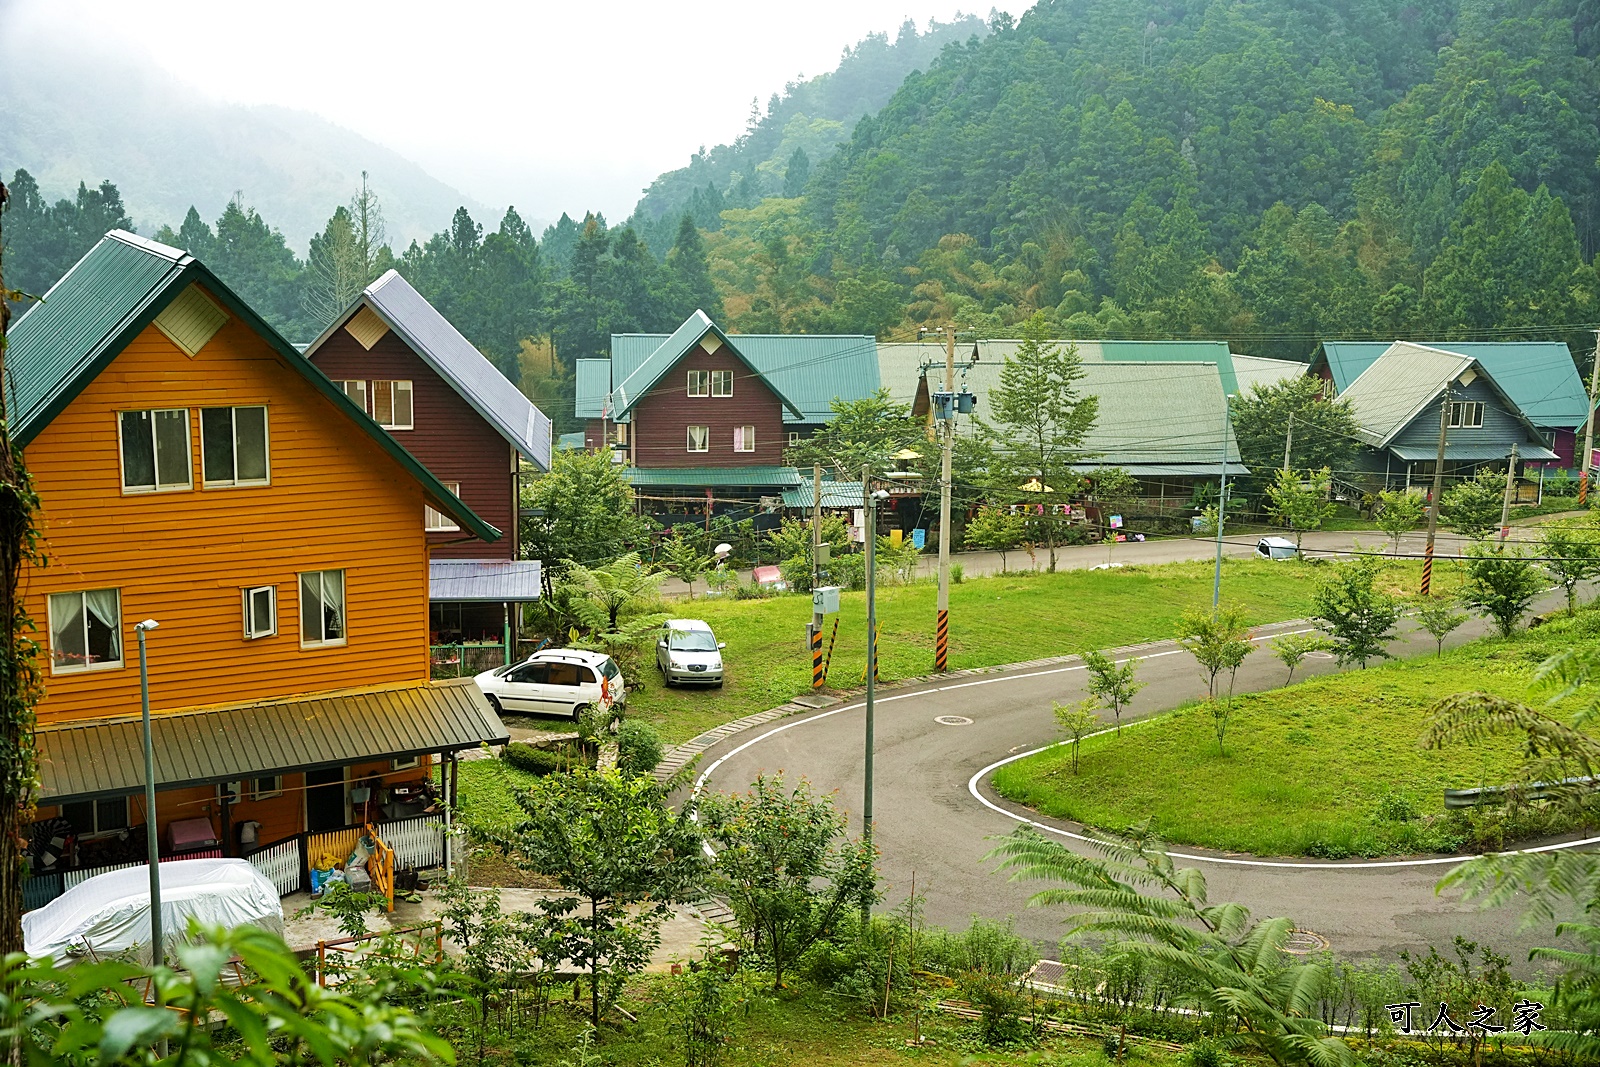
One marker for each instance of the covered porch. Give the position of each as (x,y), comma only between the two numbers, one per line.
(474,613)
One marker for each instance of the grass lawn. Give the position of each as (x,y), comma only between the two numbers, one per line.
(1306,766)
(993,620)
(802,1027)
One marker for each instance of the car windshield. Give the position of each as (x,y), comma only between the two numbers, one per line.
(609,669)
(693,641)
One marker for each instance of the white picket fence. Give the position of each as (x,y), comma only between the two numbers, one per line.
(281,865)
(416,842)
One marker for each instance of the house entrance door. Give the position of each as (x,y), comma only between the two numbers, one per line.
(325,799)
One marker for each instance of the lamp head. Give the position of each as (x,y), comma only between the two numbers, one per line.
(880,494)
(146,625)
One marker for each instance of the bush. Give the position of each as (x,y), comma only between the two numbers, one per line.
(957,573)
(1395,807)
(848,571)
(796,571)
(541,761)
(1206,1053)
(986,945)
(1000,1001)
(639,748)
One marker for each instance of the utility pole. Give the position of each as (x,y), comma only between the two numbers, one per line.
(158,956)
(1222,507)
(870,500)
(941,653)
(814,632)
(1505,502)
(1438,489)
(1288,441)
(1588,425)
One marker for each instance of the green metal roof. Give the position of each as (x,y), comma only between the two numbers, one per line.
(701,477)
(896,358)
(810,370)
(834,495)
(1525,450)
(109,296)
(592,381)
(628,391)
(1539,376)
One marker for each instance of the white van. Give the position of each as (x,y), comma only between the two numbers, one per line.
(557,681)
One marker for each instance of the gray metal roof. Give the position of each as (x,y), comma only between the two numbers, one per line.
(1525,450)
(453,357)
(1250,371)
(485,580)
(205,745)
(1394,389)
(834,495)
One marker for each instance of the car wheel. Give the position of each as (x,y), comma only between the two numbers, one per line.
(494,702)
(578,710)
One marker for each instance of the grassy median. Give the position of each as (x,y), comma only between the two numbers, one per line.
(1330,767)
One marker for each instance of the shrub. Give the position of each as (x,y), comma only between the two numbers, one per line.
(1205,1053)
(957,573)
(1395,807)
(796,571)
(541,761)
(848,571)
(639,748)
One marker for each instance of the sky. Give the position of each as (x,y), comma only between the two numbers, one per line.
(551,106)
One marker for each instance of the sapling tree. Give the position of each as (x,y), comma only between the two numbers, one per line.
(1301,503)
(1112,683)
(786,867)
(614,844)
(1399,512)
(682,558)
(1358,617)
(995,530)
(1292,649)
(1218,642)
(1438,616)
(1076,721)
(1501,584)
(1472,506)
(1571,555)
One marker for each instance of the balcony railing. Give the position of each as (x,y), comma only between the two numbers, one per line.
(465,660)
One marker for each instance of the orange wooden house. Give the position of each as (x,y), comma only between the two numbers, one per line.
(193,469)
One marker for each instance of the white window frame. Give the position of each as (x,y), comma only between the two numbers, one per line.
(359,394)
(409,763)
(97,832)
(273,790)
(344,606)
(720,378)
(744,438)
(266,446)
(705,439)
(699,383)
(155,453)
(252,625)
(437,521)
(83,668)
(1459,412)
(794,438)
(395,388)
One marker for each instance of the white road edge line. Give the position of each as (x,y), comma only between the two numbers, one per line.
(972,783)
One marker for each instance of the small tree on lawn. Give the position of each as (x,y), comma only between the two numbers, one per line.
(1218,642)
(995,530)
(1292,649)
(1357,616)
(1076,721)
(1398,513)
(1438,616)
(1301,503)
(683,559)
(1572,555)
(1112,684)
(613,843)
(786,867)
(1472,507)
(1501,585)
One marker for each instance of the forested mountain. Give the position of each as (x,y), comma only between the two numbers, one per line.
(83,114)
(800,128)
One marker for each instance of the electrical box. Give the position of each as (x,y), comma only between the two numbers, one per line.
(825,600)
(944,405)
(824,553)
(966,402)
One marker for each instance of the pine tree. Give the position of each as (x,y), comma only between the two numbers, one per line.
(797,174)
(690,272)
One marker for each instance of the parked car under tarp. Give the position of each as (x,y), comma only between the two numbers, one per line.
(109,914)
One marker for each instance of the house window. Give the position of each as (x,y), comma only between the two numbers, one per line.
(744,438)
(722,383)
(699,383)
(1466,414)
(264,788)
(321,609)
(437,521)
(391,404)
(260,611)
(233,446)
(794,438)
(699,439)
(405,763)
(95,818)
(85,631)
(355,389)
(155,450)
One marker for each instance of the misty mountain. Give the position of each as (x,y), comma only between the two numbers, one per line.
(72,117)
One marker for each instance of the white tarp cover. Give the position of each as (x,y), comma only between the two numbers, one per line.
(111,912)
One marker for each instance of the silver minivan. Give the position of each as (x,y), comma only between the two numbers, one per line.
(687,651)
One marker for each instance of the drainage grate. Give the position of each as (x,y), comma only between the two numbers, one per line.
(953,720)
(1304,943)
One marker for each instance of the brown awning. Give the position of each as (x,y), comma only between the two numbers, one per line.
(219,744)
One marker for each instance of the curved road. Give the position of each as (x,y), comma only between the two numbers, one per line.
(929,823)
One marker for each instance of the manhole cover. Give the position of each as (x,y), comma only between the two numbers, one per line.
(953,720)
(1304,943)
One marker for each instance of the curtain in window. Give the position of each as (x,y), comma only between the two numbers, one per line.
(105,640)
(333,605)
(67,642)
(311,607)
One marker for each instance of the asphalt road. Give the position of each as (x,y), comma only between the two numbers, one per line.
(929,823)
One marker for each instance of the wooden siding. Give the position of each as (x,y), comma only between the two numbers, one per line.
(450,438)
(659,431)
(335,501)
(1500,427)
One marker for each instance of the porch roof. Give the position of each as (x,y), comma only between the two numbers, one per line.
(1428,453)
(202,746)
(488,581)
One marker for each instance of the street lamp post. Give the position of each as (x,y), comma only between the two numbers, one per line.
(152,846)
(1222,507)
(871,532)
